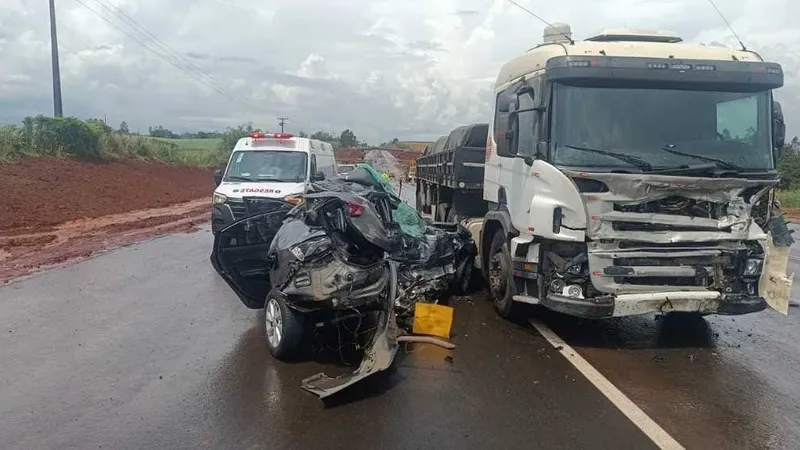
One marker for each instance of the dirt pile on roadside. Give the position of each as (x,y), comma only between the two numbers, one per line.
(48,191)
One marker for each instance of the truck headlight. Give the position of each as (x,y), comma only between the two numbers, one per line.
(218,199)
(753,267)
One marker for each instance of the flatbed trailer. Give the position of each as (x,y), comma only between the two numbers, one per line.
(450,175)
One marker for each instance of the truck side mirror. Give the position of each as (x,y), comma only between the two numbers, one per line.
(318,176)
(778,126)
(506,101)
(505,139)
(217,177)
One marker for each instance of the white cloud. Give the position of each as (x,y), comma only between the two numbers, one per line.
(384,68)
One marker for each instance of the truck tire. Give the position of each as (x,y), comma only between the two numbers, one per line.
(442,210)
(284,327)
(501,276)
(453,216)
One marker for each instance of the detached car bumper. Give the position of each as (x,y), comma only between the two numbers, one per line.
(623,305)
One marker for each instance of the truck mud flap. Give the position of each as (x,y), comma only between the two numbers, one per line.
(776,282)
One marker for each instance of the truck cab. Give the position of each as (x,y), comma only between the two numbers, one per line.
(633,173)
(268,165)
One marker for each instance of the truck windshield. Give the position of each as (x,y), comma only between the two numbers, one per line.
(664,128)
(267,165)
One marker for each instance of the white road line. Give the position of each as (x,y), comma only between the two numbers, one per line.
(649,427)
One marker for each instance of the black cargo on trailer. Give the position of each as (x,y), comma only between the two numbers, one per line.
(450,175)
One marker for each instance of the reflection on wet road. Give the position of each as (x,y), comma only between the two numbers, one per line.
(145,347)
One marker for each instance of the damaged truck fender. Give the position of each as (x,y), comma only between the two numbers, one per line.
(775,285)
(557,210)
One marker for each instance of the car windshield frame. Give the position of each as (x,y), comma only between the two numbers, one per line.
(688,121)
(234,173)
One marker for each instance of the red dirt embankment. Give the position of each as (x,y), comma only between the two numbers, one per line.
(49,191)
(60,209)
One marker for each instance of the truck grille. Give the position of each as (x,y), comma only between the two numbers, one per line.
(648,267)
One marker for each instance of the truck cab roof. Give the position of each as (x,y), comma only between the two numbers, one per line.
(614,42)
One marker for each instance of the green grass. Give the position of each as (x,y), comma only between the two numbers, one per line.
(198,152)
(789,198)
(193,144)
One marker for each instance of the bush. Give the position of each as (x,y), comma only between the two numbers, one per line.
(789,169)
(93,139)
(59,135)
(12,143)
(231,136)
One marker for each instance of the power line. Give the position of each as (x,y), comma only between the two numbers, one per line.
(130,21)
(219,87)
(714,5)
(542,20)
(169,61)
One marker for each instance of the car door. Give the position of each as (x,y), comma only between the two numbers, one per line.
(240,254)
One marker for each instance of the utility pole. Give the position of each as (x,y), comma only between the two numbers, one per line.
(282,122)
(57,107)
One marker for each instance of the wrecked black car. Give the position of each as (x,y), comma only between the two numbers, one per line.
(350,246)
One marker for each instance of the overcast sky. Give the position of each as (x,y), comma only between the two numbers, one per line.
(411,69)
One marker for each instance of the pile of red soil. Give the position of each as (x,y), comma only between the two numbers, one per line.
(40,192)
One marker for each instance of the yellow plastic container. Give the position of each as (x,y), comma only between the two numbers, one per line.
(433,320)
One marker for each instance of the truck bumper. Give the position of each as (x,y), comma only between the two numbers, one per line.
(221,216)
(624,305)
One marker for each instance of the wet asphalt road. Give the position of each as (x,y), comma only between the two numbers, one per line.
(141,349)
(145,347)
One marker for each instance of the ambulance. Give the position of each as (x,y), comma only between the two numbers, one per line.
(268,165)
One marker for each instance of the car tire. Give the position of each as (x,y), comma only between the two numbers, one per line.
(284,327)
(500,280)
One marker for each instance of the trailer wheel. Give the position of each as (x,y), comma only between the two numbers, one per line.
(284,327)
(500,276)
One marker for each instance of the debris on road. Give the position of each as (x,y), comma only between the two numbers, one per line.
(349,249)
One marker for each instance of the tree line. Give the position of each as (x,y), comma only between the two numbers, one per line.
(789,165)
(347,138)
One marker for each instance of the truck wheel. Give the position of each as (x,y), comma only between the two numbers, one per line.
(284,328)
(453,216)
(500,274)
(442,210)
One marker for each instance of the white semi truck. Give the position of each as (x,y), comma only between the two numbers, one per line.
(626,174)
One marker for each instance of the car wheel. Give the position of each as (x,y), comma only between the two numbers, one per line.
(284,327)
(500,277)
